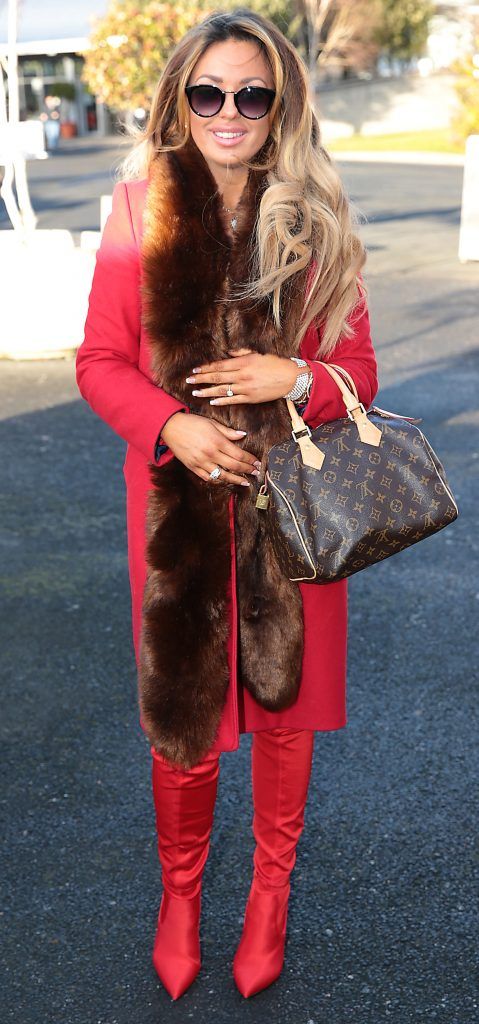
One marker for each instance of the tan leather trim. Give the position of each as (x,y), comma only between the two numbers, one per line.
(295,579)
(368,432)
(441,479)
(311,455)
(348,377)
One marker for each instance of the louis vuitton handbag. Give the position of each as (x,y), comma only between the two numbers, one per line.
(351,492)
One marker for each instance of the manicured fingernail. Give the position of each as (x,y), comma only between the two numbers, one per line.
(255,472)
(213,401)
(196,369)
(190,380)
(257,464)
(196,393)
(245,483)
(243,432)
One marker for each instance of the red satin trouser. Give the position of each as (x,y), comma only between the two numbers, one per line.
(281,762)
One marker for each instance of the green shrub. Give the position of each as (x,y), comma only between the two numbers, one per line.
(465,120)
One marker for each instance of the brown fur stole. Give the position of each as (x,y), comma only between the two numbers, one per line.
(189,264)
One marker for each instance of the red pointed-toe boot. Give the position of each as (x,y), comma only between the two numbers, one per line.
(184,805)
(281,762)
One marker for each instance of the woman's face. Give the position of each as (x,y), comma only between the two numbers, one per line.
(230,65)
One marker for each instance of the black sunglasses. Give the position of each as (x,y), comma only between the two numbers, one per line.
(252,102)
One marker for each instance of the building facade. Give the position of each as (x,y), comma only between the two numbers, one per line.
(50,47)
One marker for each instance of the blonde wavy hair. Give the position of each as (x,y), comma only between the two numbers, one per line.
(305,216)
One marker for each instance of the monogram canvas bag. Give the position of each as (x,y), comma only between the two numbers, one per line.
(352,491)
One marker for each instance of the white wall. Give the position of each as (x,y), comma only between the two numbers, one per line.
(383,106)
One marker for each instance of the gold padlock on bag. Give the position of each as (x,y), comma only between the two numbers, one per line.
(262,499)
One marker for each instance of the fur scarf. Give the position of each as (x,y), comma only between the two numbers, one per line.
(189,266)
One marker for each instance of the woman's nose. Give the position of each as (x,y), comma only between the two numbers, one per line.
(229,107)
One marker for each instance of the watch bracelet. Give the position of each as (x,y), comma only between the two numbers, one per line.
(301,389)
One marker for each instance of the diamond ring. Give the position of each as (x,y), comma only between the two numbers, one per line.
(230,391)
(215,473)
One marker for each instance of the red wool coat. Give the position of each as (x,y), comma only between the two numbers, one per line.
(114,377)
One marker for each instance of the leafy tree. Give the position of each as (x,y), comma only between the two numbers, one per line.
(130,45)
(465,120)
(403,27)
(281,12)
(336,33)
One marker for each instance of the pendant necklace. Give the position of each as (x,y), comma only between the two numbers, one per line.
(233,219)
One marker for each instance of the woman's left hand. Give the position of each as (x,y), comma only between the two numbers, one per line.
(253,377)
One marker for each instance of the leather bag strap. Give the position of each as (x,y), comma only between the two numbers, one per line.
(347,376)
(311,454)
(368,432)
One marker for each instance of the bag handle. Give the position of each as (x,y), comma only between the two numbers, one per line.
(368,432)
(347,376)
(310,453)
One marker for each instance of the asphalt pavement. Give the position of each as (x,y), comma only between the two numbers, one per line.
(383,913)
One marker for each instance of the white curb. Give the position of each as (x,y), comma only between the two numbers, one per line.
(399,157)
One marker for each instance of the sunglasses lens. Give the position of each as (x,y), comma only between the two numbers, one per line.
(205,100)
(254,102)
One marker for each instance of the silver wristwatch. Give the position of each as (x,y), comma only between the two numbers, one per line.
(302,385)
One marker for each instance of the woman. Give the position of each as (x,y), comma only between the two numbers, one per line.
(227,272)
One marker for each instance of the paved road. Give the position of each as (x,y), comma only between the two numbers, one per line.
(382,922)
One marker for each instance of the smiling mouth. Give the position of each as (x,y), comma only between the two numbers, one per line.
(228,135)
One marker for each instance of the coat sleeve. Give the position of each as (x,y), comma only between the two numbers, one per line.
(357,356)
(107,371)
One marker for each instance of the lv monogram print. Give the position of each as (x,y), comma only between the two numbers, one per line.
(365,503)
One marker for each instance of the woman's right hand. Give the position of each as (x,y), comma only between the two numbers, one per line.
(201,444)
